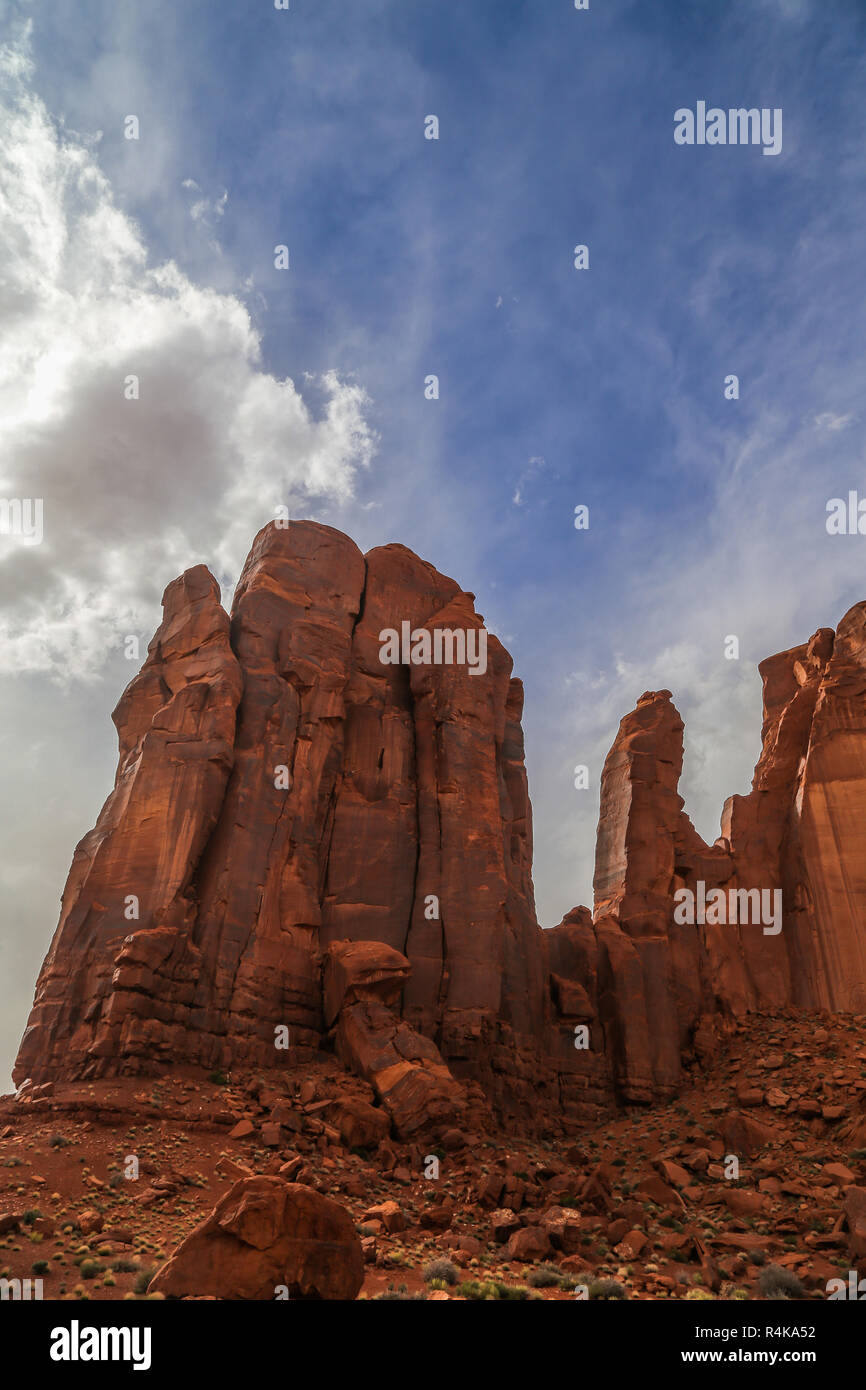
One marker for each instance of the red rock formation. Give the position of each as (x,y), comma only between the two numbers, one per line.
(134,872)
(309,846)
(656,981)
(357,972)
(651,993)
(283,790)
(801,827)
(363,982)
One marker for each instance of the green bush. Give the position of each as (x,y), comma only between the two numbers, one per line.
(545,1277)
(143,1280)
(607,1290)
(399,1295)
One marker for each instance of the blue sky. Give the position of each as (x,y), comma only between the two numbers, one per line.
(411,257)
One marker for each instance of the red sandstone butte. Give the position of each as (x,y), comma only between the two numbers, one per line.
(304,839)
(282,793)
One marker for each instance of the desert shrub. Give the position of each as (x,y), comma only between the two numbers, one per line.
(775,1282)
(491,1290)
(400,1294)
(142,1281)
(514,1293)
(471,1288)
(606,1289)
(441,1269)
(545,1277)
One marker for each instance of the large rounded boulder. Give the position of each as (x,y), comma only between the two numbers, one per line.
(267,1239)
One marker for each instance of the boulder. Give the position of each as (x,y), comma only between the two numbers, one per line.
(390,1215)
(360,1125)
(405,1068)
(527,1245)
(361,970)
(746,1136)
(503,1224)
(564,1229)
(264,1235)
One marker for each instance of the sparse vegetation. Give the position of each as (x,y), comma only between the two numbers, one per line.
(442,1270)
(606,1290)
(143,1279)
(777,1283)
(546,1277)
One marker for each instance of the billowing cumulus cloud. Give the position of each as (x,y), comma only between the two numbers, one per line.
(138,479)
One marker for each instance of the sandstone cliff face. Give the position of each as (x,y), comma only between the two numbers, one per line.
(176,730)
(666,985)
(803,823)
(308,847)
(830,847)
(645,979)
(282,792)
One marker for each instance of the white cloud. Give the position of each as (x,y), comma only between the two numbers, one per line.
(134,490)
(205,211)
(827,420)
(530,473)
